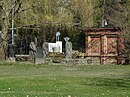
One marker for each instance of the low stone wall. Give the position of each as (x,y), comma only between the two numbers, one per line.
(59,60)
(81,61)
(22,57)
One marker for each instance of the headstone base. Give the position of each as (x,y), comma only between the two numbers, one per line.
(11,59)
(39,61)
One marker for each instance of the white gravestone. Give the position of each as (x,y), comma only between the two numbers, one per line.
(55,47)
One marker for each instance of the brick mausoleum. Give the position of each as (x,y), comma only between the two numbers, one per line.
(105,45)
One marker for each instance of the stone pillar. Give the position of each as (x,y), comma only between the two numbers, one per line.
(68,47)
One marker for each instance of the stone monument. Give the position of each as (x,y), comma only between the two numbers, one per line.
(36,52)
(32,51)
(11,51)
(57,36)
(45,49)
(41,53)
(39,56)
(68,48)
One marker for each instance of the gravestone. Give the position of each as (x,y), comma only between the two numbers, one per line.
(39,56)
(68,47)
(32,51)
(39,52)
(45,49)
(11,50)
(36,53)
(58,47)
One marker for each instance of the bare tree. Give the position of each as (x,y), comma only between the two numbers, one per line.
(117,12)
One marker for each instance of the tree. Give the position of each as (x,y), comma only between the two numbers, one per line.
(116,12)
(44,18)
(9,11)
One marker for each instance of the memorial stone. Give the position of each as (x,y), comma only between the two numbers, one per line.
(39,56)
(32,51)
(36,41)
(68,47)
(11,49)
(45,49)
(11,52)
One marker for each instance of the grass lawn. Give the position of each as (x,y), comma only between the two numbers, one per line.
(29,80)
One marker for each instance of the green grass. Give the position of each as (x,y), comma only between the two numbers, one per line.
(22,80)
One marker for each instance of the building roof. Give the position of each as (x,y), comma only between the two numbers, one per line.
(101,29)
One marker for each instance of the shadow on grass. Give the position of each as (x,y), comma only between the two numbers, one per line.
(114,83)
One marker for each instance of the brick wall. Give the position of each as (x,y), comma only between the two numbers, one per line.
(105,43)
